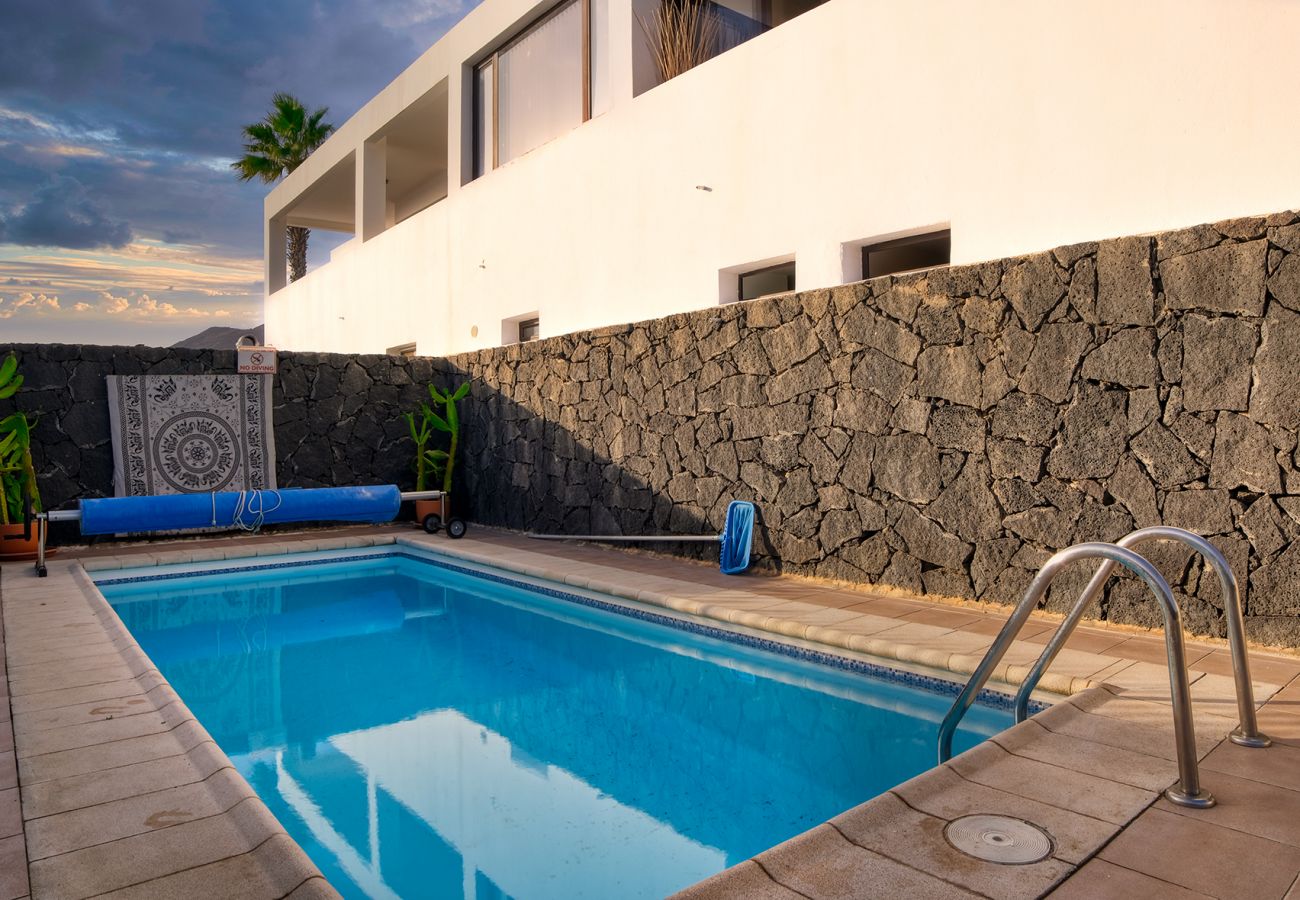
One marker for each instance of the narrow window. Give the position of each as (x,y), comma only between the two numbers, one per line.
(909,254)
(770,280)
(529,330)
(484,130)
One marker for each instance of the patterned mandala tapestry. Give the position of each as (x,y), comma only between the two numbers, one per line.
(189,434)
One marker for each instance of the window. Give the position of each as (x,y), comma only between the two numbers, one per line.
(909,254)
(547,81)
(407,350)
(771,280)
(681,34)
(529,330)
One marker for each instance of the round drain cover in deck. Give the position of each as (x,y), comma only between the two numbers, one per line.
(999,839)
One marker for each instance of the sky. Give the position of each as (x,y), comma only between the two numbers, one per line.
(120,219)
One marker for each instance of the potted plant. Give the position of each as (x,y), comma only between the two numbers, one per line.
(430,463)
(17,475)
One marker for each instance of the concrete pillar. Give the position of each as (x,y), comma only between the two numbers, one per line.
(372,188)
(276,274)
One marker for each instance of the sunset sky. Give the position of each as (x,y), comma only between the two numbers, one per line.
(120,220)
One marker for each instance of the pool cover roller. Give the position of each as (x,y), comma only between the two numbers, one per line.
(225,510)
(736,538)
(373,504)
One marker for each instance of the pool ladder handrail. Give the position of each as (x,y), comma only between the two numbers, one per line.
(1187,792)
(1247,733)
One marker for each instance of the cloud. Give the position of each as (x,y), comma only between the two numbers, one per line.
(117,125)
(63,214)
(82,307)
(113,305)
(28,304)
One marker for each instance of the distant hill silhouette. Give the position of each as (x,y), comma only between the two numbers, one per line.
(220,337)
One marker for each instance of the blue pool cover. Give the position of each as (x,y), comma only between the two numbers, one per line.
(233,509)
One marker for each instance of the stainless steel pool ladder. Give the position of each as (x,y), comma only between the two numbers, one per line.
(1188,791)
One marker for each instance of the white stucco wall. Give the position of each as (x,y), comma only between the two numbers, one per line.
(1024,124)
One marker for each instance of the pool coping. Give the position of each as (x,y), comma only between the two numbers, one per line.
(862,839)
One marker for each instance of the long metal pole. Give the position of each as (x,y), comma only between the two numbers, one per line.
(1247,732)
(693,538)
(1188,791)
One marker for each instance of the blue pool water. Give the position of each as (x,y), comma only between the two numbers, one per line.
(424,732)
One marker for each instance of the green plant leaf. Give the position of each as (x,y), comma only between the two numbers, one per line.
(8,367)
(438,421)
(437,395)
(461,392)
(8,390)
(438,455)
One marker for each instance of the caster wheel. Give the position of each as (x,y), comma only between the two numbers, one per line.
(432,523)
(456,528)
(41,571)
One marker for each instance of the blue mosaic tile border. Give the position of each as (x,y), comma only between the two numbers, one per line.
(987,698)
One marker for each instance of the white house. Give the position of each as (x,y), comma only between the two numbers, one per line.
(532,173)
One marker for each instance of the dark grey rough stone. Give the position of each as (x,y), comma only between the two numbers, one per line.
(967,506)
(1124,290)
(1165,457)
(1013,459)
(1284,282)
(1216,362)
(1128,357)
(1051,367)
(950,373)
(1034,285)
(1025,417)
(1244,456)
(1042,524)
(1275,399)
(1226,278)
(928,542)
(957,428)
(1096,428)
(907,466)
(1203,512)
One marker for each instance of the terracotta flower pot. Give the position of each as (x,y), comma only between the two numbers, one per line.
(426,508)
(12,544)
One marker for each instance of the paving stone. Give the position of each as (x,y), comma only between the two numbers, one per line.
(748,879)
(1156,845)
(1099,878)
(946,796)
(822,863)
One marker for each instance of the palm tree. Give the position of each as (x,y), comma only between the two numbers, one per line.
(276,146)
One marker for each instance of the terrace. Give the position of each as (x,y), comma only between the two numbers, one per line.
(120,791)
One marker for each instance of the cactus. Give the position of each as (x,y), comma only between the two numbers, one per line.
(430,463)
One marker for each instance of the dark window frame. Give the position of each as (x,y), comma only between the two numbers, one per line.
(925,237)
(741,276)
(533,325)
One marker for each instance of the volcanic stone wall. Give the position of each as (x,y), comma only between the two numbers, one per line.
(942,432)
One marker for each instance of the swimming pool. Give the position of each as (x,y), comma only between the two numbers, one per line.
(423,730)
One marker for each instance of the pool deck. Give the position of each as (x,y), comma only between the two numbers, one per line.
(108,786)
